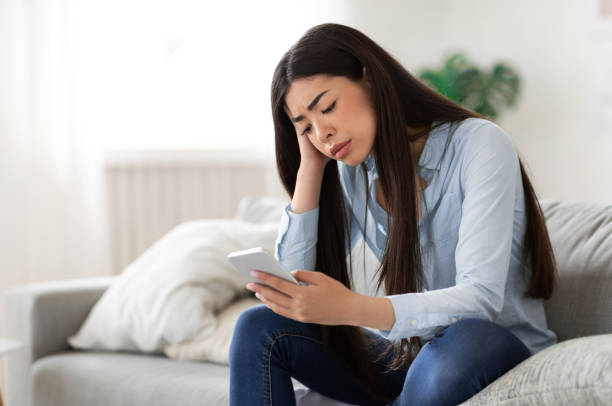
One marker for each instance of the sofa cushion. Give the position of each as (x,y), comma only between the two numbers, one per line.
(92,378)
(581,235)
(127,379)
(574,372)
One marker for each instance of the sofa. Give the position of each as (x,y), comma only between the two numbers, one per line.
(577,370)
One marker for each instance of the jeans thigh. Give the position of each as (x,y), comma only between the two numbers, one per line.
(270,348)
(460,361)
(328,375)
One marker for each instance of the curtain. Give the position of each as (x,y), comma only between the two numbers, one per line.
(52,214)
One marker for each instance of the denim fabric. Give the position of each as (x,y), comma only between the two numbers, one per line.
(268,349)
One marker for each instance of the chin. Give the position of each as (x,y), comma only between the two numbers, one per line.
(351,161)
(356,161)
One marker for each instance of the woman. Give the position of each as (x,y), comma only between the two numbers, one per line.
(440,196)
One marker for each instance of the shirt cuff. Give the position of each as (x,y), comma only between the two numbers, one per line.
(412,318)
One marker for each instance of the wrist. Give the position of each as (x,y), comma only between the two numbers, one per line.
(359,309)
(372,312)
(307,189)
(311,169)
(355,307)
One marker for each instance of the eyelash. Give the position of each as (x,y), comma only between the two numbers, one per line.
(327,110)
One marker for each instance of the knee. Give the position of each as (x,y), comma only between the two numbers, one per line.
(483,345)
(477,331)
(247,325)
(253,326)
(434,379)
(487,336)
(481,325)
(252,317)
(477,324)
(460,358)
(252,321)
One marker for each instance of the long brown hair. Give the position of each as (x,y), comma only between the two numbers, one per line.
(399,101)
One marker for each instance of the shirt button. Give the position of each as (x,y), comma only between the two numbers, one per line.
(454,319)
(413,322)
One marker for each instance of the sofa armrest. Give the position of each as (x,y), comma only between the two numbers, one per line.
(43,315)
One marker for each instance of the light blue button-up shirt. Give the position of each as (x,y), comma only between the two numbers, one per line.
(471,235)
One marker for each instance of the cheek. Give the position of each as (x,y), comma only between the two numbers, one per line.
(367,123)
(368,117)
(364,109)
(320,147)
(359,118)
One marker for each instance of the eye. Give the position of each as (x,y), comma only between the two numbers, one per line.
(330,108)
(327,110)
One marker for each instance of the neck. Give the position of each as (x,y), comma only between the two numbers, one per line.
(419,136)
(416,149)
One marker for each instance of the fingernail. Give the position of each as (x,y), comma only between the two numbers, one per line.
(254,274)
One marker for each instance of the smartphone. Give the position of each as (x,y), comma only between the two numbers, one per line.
(259,259)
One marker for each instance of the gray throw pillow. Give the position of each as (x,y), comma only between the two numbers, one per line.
(573,372)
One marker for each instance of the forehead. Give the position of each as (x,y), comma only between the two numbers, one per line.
(302,91)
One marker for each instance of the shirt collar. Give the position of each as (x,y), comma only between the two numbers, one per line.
(431,154)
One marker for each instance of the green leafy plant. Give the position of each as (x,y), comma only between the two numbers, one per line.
(486,93)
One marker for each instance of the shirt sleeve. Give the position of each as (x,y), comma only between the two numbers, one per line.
(296,243)
(489,173)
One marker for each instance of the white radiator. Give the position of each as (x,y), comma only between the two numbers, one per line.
(148,193)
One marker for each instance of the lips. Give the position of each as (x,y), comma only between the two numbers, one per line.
(338,147)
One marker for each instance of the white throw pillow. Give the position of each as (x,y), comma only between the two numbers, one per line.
(260,210)
(215,347)
(170,294)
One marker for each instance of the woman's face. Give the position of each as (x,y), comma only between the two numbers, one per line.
(333,110)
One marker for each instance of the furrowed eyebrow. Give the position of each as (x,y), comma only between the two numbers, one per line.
(311,106)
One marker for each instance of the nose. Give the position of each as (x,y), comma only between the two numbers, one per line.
(324,132)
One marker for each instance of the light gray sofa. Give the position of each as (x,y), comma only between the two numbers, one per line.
(576,371)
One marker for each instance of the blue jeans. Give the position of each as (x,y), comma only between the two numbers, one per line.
(267,349)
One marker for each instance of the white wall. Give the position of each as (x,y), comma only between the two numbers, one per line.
(151,96)
(185,74)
